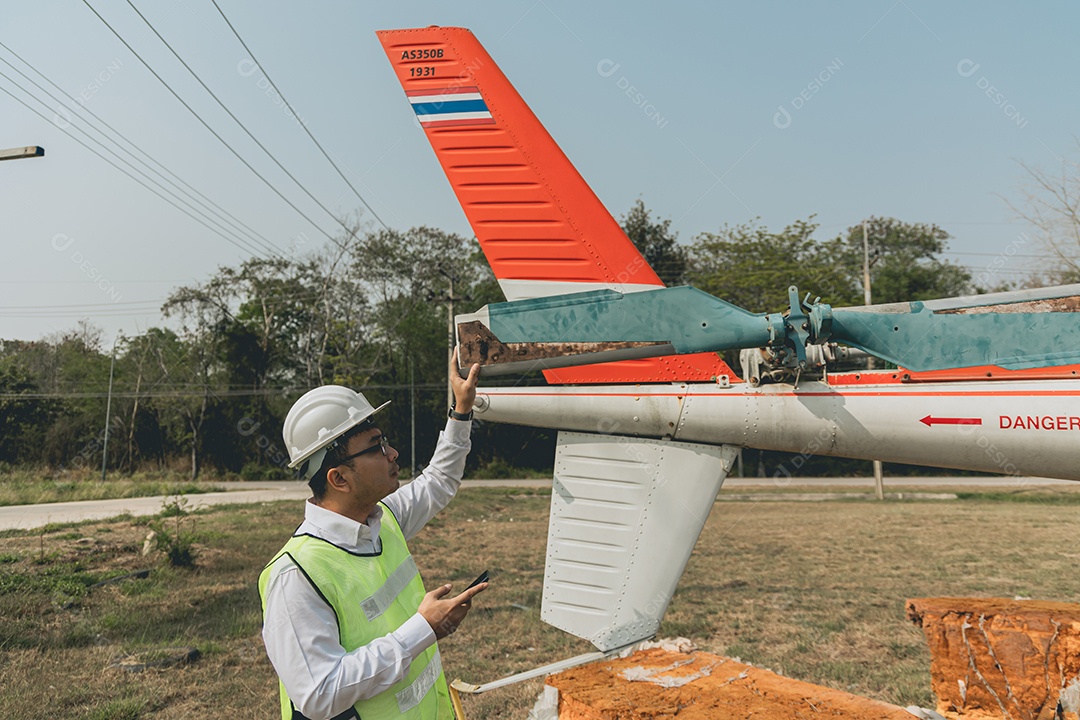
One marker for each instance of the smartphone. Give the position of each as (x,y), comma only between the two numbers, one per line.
(482,579)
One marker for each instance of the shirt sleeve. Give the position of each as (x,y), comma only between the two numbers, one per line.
(300,632)
(416,503)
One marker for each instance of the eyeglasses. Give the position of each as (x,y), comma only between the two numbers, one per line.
(381,446)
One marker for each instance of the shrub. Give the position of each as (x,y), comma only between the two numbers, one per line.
(176,540)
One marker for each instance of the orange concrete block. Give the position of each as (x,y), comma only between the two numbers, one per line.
(655,684)
(998,658)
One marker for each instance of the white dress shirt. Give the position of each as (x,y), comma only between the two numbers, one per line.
(300,630)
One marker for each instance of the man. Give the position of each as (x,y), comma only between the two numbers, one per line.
(346,623)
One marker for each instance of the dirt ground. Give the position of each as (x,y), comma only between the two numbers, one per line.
(659,684)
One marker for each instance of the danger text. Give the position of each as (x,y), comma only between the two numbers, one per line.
(1038,422)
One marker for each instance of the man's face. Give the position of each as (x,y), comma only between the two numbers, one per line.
(376,474)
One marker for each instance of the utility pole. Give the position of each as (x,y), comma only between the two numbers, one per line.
(412,418)
(866,270)
(879,479)
(450,341)
(451,336)
(108,410)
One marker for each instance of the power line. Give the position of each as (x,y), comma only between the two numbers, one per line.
(78,305)
(206,125)
(74,312)
(236,119)
(1006,255)
(218,227)
(80,142)
(302,124)
(248,247)
(218,393)
(236,222)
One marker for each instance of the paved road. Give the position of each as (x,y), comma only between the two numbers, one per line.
(29,517)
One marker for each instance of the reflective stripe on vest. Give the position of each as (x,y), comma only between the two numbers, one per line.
(411,696)
(381,599)
(392,590)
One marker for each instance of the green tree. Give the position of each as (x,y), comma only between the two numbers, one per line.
(143,366)
(70,367)
(25,416)
(904,262)
(193,358)
(655,240)
(751,267)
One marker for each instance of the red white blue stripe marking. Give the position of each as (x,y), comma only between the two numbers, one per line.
(452,106)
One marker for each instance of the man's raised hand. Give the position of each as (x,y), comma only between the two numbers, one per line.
(464,387)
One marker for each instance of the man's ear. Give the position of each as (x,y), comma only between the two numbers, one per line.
(335,479)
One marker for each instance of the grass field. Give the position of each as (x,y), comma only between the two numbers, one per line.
(815,591)
(26,487)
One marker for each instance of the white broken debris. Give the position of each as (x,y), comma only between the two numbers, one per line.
(1070,697)
(653,675)
(547,705)
(148,543)
(677,645)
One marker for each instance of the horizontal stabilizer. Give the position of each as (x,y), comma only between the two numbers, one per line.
(625,515)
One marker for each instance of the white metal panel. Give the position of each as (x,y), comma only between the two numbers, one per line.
(528,289)
(874,422)
(618,539)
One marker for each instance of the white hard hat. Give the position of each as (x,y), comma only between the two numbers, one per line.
(320,417)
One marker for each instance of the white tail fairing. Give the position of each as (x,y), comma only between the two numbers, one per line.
(625,515)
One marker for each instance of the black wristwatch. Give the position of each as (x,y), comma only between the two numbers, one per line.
(455,415)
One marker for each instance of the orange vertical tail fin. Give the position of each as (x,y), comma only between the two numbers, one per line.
(541,227)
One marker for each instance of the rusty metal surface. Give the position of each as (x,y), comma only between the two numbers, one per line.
(1062,304)
(477,344)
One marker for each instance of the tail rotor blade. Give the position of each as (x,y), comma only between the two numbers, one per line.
(1014,330)
(604,325)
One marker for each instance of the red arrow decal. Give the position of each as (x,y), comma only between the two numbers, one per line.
(930,421)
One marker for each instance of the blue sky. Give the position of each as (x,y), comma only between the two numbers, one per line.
(713,113)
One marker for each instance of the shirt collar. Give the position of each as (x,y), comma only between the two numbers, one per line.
(341,530)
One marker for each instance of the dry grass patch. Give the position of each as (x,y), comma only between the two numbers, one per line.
(813,590)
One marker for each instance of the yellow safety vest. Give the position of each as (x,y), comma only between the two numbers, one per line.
(372,596)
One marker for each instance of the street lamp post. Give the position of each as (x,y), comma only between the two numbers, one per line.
(22,152)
